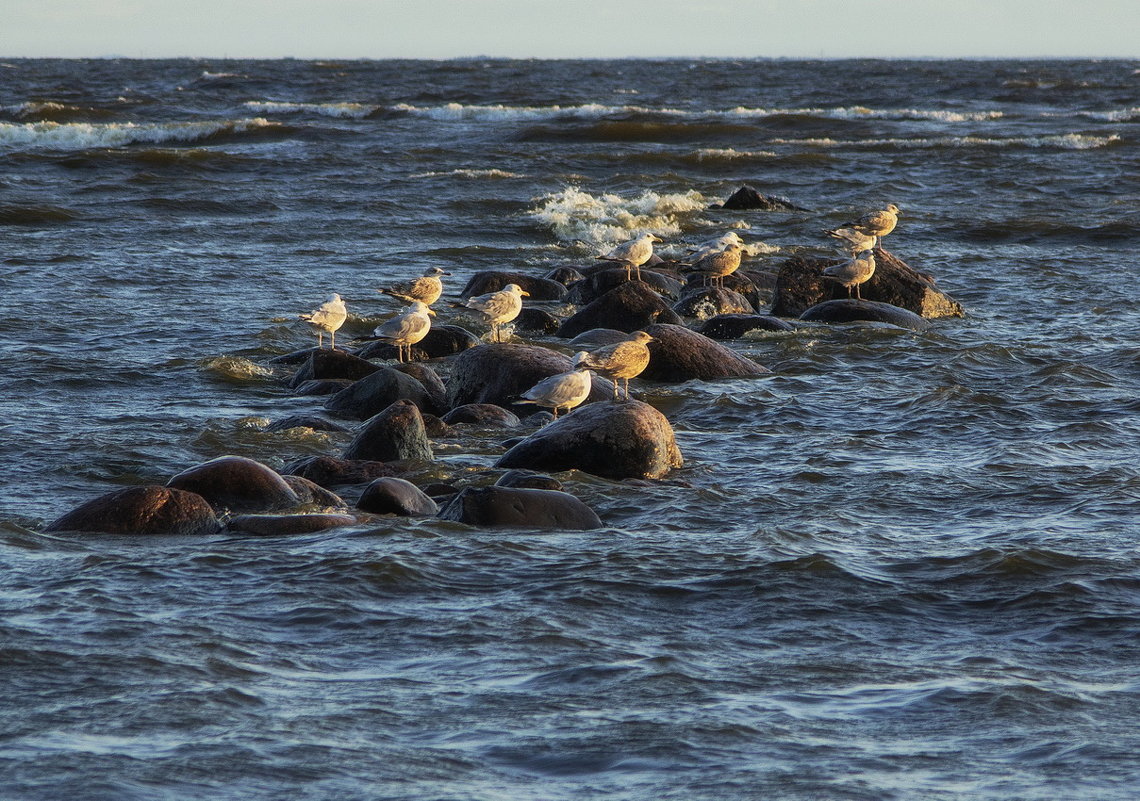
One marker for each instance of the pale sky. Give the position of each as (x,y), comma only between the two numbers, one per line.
(569,28)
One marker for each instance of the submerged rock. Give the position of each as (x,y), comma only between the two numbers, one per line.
(285,525)
(310,493)
(748,198)
(305,421)
(482,414)
(846,311)
(734,326)
(528,479)
(329,471)
(237,484)
(145,510)
(520,508)
(629,307)
(395,434)
(396,496)
(677,354)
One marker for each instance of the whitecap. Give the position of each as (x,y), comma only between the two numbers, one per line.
(81,135)
(345,110)
(599,220)
(1060,141)
(473,174)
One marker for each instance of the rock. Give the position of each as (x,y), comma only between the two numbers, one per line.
(627,439)
(629,307)
(598,338)
(678,354)
(310,493)
(711,301)
(520,508)
(322,386)
(395,434)
(440,490)
(528,479)
(564,275)
(328,471)
(331,364)
(499,373)
(493,280)
(396,496)
(237,484)
(846,311)
(436,428)
(431,382)
(285,525)
(441,341)
(144,510)
(537,320)
(734,326)
(376,392)
(599,282)
(305,421)
(800,285)
(482,414)
(748,198)
(738,282)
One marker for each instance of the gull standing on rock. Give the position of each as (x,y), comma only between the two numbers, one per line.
(877,223)
(562,391)
(716,245)
(853,273)
(329,316)
(499,307)
(406,329)
(624,360)
(426,289)
(717,265)
(633,253)
(851,242)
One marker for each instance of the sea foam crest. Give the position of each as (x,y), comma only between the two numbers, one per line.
(598,220)
(79,135)
(355,111)
(1059,141)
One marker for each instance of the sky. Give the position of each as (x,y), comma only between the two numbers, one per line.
(440,29)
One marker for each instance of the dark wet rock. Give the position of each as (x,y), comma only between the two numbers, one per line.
(482,414)
(441,341)
(710,301)
(801,285)
(322,386)
(396,496)
(847,311)
(739,282)
(440,490)
(629,439)
(376,392)
(748,198)
(436,428)
(305,421)
(326,364)
(678,354)
(629,307)
(537,320)
(285,525)
(144,510)
(329,471)
(599,282)
(395,434)
(310,493)
(293,357)
(564,275)
(734,326)
(237,484)
(493,280)
(431,382)
(528,479)
(499,373)
(532,421)
(598,338)
(516,507)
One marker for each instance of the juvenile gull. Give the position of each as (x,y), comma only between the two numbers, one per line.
(499,307)
(851,241)
(624,360)
(426,289)
(717,265)
(406,329)
(877,223)
(562,391)
(633,253)
(329,316)
(853,273)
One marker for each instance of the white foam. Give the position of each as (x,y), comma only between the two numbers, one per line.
(600,220)
(470,173)
(81,135)
(729,154)
(354,111)
(1060,141)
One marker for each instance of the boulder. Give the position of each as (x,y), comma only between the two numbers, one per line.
(537,320)
(846,311)
(740,282)
(310,493)
(528,479)
(493,280)
(376,392)
(305,421)
(734,326)
(237,484)
(801,285)
(678,354)
(748,198)
(482,414)
(395,434)
(441,341)
(564,275)
(598,338)
(499,373)
(431,381)
(710,301)
(285,525)
(515,507)
(599,282)
(326,364)
(618,440)
(629,307)
(141,510)
(322,386)
(396,496)
(328,471)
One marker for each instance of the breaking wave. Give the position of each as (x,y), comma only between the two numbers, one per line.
(575,215)
(354,111)
(78,136)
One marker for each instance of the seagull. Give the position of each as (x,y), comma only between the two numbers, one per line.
(623,360)
(633,253)
(407,329)
(562,391)
(708,247)
(329,316)
(717,265)
(853,273)
(499,307)
(426,289)
(851,242)
(877,223)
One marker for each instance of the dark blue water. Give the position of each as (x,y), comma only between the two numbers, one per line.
(903,566)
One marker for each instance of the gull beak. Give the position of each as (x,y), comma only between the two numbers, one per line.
(431,312)
(525,294)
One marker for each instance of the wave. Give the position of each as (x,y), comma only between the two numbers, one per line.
(79,136)
(1057,141)
(12,214)
(575,215)
(354,111)
(473,174)
(51,111)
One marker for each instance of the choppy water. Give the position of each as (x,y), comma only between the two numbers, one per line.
(902,567)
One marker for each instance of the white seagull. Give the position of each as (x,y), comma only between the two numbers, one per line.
(406,329)
(853,273)
(499,307)
(633,253)
(562,391)
(329,316)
